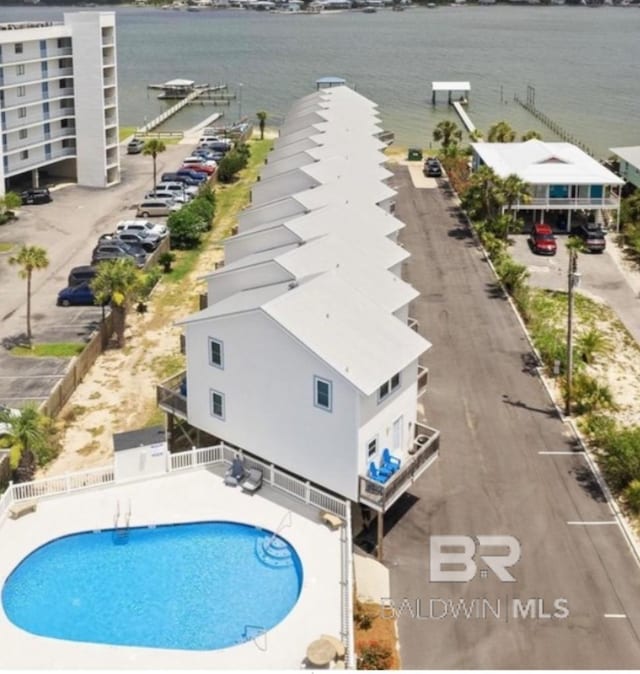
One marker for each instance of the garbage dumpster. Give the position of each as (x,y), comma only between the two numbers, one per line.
(415,154)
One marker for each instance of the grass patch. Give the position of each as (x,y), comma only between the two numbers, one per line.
(125,132)
(49,350)
(89,449)
(6,247)
(95,395)
(156,418)
(166,366)
(184,264)
(96,431)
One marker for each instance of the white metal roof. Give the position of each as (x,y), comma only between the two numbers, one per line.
(368,191)
(340,168)
(179,83)
(252,260)
(450,86)
(629,154)
(542,163)
(347,330)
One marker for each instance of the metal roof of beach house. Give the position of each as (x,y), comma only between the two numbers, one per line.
(543,163)
(630,154)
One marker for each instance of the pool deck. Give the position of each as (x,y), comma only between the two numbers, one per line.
(190,496)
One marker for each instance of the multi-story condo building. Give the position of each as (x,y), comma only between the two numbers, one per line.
(59,100)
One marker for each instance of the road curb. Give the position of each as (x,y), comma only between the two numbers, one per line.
(630,536)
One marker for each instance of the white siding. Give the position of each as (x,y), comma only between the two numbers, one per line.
(268,384)
(221,286)
(281,186)
(236,248)
(377,418)
(279,210)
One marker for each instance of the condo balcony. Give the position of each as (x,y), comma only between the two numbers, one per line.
(380,496)
(171,395)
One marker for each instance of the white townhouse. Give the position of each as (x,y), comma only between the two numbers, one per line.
(373,267)
(350,191)
(59,100)
(563,179)
(354,223)
(305,356)
(315,175)
(313,376)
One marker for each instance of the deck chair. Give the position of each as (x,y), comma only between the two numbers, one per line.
(253,480)
(235,474)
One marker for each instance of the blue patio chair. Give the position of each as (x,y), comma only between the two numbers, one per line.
(376,474)
(388,462)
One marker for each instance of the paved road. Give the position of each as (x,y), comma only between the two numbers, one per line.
(68,229)
(495,419)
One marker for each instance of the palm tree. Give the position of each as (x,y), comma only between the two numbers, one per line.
(153,147)
(120,283)
(592,343)
(501,132)
(8,203)
(514,191)
(485,183)
(262,118)
(30,258)
(26,430)
(476,136)
(447,133)
(531,135)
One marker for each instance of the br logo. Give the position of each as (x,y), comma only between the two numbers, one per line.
(465,554)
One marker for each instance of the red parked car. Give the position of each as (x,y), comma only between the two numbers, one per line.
(542,240)
(200,168)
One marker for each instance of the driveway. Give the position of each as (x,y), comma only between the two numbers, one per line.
(68,229)
(507,467)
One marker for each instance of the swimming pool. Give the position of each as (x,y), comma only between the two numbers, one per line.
(195,586)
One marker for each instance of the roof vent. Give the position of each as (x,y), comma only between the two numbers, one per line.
(293,284)
(327,315)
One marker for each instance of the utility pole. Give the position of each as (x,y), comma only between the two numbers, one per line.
(573,279)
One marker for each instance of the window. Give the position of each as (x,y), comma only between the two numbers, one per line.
(22,112)
(64,123)
(24,154)
(322,396)
(372,447)
(22,90)
(389,387)
(18,47)
(216,353)
(22,134)
(20,69)
(63,83)
(217,404)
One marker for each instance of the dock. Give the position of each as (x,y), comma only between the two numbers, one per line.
(466,120)
(450,87)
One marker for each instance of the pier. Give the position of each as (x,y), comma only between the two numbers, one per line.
(466,120)
(530,106)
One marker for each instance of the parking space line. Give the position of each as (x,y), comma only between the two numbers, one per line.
(615,615)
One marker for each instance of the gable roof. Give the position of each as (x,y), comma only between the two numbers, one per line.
(543,163)
(630,154)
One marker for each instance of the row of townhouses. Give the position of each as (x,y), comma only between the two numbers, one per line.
(305,354)
(58,101)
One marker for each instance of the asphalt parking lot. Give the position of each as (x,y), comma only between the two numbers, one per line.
(67,228)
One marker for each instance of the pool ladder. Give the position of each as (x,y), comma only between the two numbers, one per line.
(286,521)
(259,637)
(121,533)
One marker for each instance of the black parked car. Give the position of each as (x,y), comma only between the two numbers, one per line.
(432,168)
(38,195)
(592,236)
(81,275)
(112,250)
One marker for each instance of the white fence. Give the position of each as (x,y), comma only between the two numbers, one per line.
(293,486)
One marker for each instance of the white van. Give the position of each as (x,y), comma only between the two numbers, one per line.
(150,208)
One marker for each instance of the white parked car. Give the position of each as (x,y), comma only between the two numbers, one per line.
(143,225)
(190,191)
(168,195)
(201,161)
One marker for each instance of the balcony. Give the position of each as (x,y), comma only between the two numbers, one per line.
(169,396)
(424,451)
(110,102)
(550,203)
(423,379)
(413,324)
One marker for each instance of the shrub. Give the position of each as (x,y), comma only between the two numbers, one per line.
(185,228)
(233,162)
(362,618)
(551,345)
(512,274)
(589,395)
(166,260)
(592,343)
(202,209)
(598,427)
(632,496)
(374,655)
(620,457)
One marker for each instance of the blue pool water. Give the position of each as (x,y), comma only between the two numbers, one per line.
(196,586)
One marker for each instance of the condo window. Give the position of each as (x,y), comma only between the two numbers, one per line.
(22,134)
(322,397)
(22,90)
(63,83)
(24,154)
(216,353)
(20,69)
(22,112)
(372,447)
(389,387)
(217,404)
(64,123)
(18,47)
